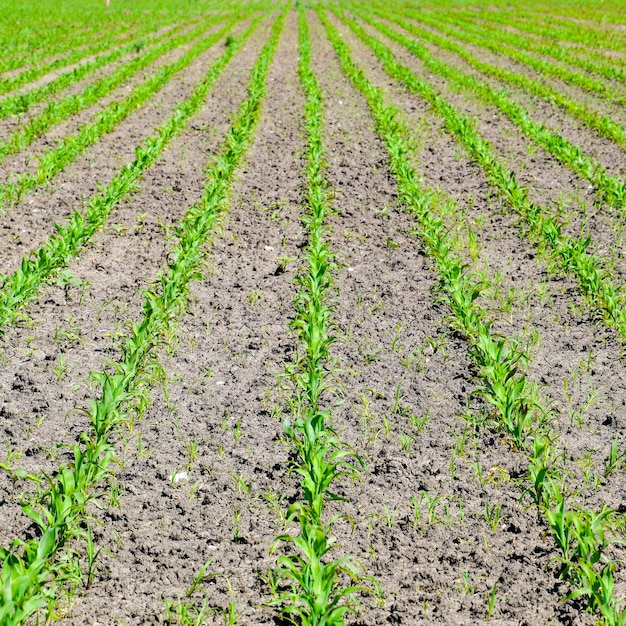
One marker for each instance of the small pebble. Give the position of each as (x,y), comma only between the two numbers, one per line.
(178,477)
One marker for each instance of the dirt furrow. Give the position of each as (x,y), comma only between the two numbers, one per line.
(524,296)
(438,521)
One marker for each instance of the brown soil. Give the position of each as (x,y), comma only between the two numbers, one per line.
(203,476)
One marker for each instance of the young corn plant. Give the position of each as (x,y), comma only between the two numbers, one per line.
(574,38)
(97,44)
(21,103)
(501,45)
(308,584)
(547,48)
(27,581)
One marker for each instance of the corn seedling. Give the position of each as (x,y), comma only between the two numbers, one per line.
(307,583)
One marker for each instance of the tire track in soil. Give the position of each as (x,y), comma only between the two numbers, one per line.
(26,225)
(115,267)
(164,532)
(558,355)
(400,555)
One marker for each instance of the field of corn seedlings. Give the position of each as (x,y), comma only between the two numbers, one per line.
(312,313)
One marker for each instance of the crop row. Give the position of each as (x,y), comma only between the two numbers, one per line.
(601,66)
(308,584)
(502,44)
(95,45)
(53,255)
(579,54)
(610,189)
(61,42)
(304,584)
(53,37)
(55,160)
(58,111)
(20,103)
(602,123)
(597,35)
(60,510)
(70,105)
(570,253)
(580,534)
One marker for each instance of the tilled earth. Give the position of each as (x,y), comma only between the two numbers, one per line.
(203,478)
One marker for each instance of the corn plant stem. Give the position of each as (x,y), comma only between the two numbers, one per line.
(569,253)
(313,589)
(497,360)
(27,578)
(59,111)
(23,285)
(20,103)
(602,124)
(611,189)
